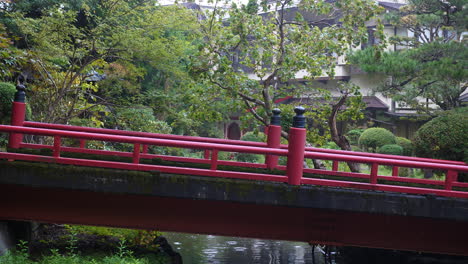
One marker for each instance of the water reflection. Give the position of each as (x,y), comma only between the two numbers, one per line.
(203,249)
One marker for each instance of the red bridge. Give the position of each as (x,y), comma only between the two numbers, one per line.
(209,195)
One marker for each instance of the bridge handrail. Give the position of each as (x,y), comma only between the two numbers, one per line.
(143,140)
(226,147)
(142,134)
(228,141)
(450,180)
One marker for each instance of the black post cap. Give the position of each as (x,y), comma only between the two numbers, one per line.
(276,118)
(20,95)
(299,120)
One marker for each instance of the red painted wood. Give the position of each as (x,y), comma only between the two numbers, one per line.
(143,140)
(377,155)
(384,188)
(335,165)
(145,167)
(214,159)
(374,173)
(449,179)
(273,141)
(226,141)
(295,150)
(146,156)
(295,163)
(18,113)
(136,153)
(141,134)
(234,219)
(57,144)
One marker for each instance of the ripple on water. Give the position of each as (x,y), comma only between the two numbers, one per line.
(240,249)
(210,251)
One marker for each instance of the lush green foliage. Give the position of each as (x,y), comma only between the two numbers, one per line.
(444,137)
(392,149)
(55,258)
(434,66)
(375,137)
(132,237)
(89,59)
(249,157)
(7,94)
(406,144)
(353,135)
(251,60)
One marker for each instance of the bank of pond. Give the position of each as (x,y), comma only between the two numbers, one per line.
(57,244)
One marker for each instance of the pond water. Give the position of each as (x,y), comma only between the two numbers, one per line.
(204,249)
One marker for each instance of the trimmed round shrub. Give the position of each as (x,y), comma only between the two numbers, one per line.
(353,135)
(376,137)
(406,144)
(392,149)
(7,94)
(444,137)
(252,136)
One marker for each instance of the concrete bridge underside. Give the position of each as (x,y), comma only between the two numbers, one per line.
(65,194)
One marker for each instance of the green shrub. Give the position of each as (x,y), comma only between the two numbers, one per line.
(250,157)
(406,144)
(7,94)
(444,137)
(375,137)
(392,149)
(254,136)
(330,145)
(353,135)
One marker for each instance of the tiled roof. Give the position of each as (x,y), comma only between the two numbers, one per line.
(372,102)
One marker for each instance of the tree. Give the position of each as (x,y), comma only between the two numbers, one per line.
(434,64)
(250,59)
(87,59)
(444,137)
(253,59)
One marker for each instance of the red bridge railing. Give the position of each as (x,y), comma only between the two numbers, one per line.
(293,172)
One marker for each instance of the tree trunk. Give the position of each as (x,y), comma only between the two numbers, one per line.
(318,164)
(340,140)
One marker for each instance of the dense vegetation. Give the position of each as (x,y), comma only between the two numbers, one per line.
(444,137)
(57,244)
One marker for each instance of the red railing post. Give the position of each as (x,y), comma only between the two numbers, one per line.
(335,165)
(374,173)
(206,154)
(214,159)
(18,113)
(450,177)
(82,143)
(136,153)
(395,171)
(273,138)
(145,149)
(57,144)
(296,148)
